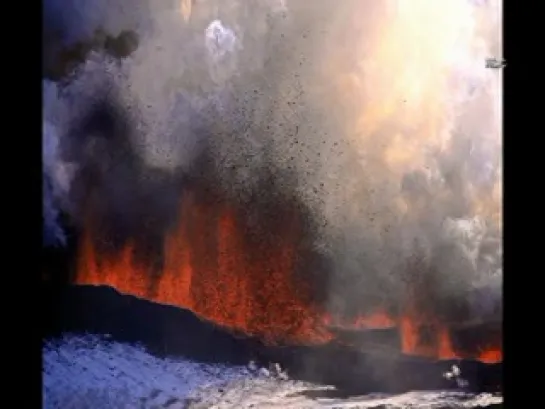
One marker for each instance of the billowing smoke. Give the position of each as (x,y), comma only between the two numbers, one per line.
(53,233)
(380,117)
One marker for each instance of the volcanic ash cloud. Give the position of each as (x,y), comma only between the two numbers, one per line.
(380,117)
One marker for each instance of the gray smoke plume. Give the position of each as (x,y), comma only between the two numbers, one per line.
(384,127)
(53,233)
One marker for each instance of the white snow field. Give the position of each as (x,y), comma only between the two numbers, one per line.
(94,372)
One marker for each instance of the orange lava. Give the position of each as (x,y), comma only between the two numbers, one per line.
(491,355)
(213,268)
(411,343)
(375,320)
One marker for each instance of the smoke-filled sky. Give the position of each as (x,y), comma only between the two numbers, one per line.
(379,116)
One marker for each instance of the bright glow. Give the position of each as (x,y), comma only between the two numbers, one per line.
(420,83)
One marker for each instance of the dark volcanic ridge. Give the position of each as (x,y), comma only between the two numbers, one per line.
(170,331)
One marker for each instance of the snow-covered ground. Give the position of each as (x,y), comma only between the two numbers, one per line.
(88,371)
(95,372)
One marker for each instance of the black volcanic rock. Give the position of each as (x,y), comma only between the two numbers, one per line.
(60,60)
(163,330)
(166,330)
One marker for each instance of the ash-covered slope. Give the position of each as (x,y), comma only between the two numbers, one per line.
(172,332)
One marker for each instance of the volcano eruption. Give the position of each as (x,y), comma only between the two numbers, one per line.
(214,265)
(298,174)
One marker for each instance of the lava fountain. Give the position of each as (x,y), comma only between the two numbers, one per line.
(401,102)
(215,266)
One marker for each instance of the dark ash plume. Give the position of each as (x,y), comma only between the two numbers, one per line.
(395,158)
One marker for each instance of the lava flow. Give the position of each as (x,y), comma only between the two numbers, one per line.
(212,267)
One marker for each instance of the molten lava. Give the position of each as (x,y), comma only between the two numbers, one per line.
(213,267)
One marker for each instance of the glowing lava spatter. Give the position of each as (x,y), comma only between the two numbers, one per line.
(490,355)
(212,268)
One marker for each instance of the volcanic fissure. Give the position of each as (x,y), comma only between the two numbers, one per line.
(214,265)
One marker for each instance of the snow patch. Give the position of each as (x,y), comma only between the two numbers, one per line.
(88,371)
(95,372)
